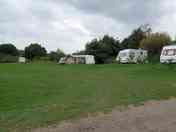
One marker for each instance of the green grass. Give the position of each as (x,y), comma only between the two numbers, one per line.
(40,94)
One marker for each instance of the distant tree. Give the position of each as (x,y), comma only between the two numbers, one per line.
(21,53)
(82,52)
(35,51)
(133,40)
(9,49)
(60,52)
(55,56)
(174,40)
(154,43)
(103,49)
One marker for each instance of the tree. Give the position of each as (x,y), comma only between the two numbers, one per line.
(8,49)
(133,40)
(103,49)
(35,51)
(21,53)
(60,52)
(55,56)
(81,52)
(154,43)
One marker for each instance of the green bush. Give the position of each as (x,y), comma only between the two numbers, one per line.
(9,49)
(34,51)
(154,44)
(154,59)
(55,56)
(40,59)
(4,58)
(110,60)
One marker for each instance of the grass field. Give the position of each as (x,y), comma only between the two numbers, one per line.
(39,94)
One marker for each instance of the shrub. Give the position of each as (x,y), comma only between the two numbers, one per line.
(55,56)
(35,51)
(5,58)
(9,49)
(154,43)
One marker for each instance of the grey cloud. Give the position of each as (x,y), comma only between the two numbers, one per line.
(133,12)
(69,24)
(34,22)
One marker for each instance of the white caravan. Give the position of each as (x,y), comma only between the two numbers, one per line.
(168,54)
(132,56)
(77,59)
(22,60)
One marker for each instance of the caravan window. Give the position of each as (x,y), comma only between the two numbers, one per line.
(123,54)
(169,52)
(132,54)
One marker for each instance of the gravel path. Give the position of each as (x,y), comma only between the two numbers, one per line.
(154,116)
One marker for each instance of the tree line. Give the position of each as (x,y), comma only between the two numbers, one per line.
(104,49)
(9,53)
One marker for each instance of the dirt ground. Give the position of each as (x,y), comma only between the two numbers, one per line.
(153,116)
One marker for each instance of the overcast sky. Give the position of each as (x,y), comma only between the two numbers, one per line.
(69,24)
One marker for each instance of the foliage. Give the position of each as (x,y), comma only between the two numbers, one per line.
(60,52)
(154,43)
(35,51)
(103,49)
(6,58)
(82,52)
(21,53)
(8,49)
(133,40)
(55,56)
(42,59)
(8,53)
(41,94)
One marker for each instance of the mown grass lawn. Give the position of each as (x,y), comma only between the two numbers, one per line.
(39,94)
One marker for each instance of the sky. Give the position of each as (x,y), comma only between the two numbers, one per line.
(70,24)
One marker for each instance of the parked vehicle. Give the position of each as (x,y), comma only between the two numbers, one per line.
(168,54)
(132,56)
(22,60)
(77,59)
